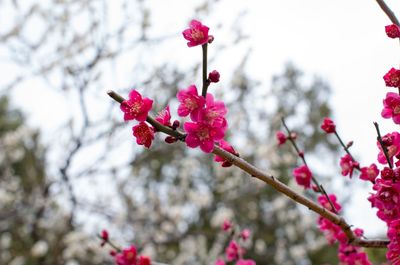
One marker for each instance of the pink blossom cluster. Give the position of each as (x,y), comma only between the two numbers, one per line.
(234,251)
(126,256)
(348,254)
(208,123)
(386,187)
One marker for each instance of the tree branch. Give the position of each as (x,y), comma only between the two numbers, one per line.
(274,183)
(388,12)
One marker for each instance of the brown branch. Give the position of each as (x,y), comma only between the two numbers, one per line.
(276,184)
(388,12)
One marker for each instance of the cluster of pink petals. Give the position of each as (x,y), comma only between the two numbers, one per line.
(348,254)
(128,256)
(208,119)
(392,144)
(369,173)
(391,107)
(245,234)
(328,126)
(190,102)
(327,205)
(281,137)
(386,198)
(227,147)
(392,31)
(227,225)
(164,117)
(136,107)
(348,165)
(393,234)
(144,134)
(233,251)
(392,78)
(303,176)
(203,135)
(196,34)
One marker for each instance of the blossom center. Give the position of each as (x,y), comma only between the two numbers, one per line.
(197,35)
(396,110)
(191,103)
(203,134)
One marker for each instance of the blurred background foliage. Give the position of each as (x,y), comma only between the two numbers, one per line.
(60,187)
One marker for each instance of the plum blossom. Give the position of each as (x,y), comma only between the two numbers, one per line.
(392,144)
(227,225)
(369,173)
(391,107)
(348,165)
(328,126)
(213,113)
(144,134)
(245,234)
(203,135)
(164,117)
(191,102)
(325,203)
(227,147)
(196,34)
(126,257)
(233,251)
(136,107)
(392,31)
(281,137)
(303,176)
(392,78)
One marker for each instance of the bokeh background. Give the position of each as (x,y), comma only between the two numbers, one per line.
(70,167)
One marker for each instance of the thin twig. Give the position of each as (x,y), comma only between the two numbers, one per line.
(282,188)
(388,12)
(302,156)
(384,149)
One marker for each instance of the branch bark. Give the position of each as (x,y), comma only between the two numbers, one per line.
(274,183)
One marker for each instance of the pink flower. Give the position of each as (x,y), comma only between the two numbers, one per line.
(245,262)
(369,173)
(392,78)
(328,126)
(281,137)
(227,225)
(358,232)
(104,237)
(214,76)
(144,134)
(191,102)
(196,34)
(144,260)
(164,117)
(220,262)
(136,107)
(387,173)
(392,143)
(227,147)
(245,234)
(213,113)
(203,135)
(233,251)
(303,176)
(126,257)
(325,203)
(392,31)
(391,107)
(347,164)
